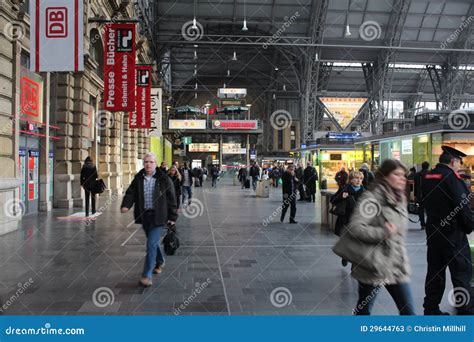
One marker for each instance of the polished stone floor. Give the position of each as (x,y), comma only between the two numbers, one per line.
(231,262)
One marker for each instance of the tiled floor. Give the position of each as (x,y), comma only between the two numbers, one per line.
(229,263)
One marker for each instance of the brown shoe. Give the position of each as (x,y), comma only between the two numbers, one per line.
(157,270)
(145,282)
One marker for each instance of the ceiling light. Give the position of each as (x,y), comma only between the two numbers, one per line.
(244,28)
(274,96)
(284,87)
(194,24)
(348,31)
(195,95)
(195,85)
(228,72)
(234,56)
(316,57)
(195,54)
(224,85)
(276,68)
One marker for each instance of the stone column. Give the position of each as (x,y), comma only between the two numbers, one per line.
(44,174)
(127,170)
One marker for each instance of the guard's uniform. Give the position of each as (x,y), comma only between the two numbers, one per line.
(447,201)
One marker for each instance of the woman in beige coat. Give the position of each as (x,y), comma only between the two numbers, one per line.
(379,226)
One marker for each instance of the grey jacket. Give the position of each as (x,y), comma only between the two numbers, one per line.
(367,224)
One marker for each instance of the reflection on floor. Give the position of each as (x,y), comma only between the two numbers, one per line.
(236,258)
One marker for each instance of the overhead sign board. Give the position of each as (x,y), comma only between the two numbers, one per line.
(344,109)
(187,124)
(235,124)
(203,147)
(231,93)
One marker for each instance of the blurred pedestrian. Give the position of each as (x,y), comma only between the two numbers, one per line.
(175,177)
(419,193)
(341,177)
(290,188)
(310,177)
(88,178)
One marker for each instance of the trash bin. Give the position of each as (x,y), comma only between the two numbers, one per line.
(263,188)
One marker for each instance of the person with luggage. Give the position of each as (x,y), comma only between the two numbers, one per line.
(187,183)
(214,175)
(341,177)
(375,234)
(175,177)
(152,195)
(447,200)
(310,177)
(88,178)
(419,193)
(290,188)
(254,174)
(344,202)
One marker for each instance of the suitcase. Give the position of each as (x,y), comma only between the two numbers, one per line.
(247,184)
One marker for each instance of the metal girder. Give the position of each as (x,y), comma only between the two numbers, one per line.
(310,107)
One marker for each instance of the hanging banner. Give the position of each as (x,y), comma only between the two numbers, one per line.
(31,96)
(141,117)
(119,67)
(57,36)
(156,129)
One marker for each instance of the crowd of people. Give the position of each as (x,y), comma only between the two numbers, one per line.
(372,210)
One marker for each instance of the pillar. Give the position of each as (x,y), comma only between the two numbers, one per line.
(44,172)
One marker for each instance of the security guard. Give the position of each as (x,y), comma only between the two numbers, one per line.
(447,200)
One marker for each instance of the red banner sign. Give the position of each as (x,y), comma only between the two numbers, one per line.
(119,67)
(141,117)
(235,124)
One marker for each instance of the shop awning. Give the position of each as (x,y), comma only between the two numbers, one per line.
(231,109)
(187,109)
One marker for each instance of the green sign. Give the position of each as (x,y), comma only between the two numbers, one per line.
(187,140)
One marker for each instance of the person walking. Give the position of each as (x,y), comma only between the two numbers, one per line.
(175,177)
(214,175)
(242,175)
(377,230)
(276,175)
(164,166)
(301,184)
(187,183)
(289,186)
(347,198)
(369,177)
(447,200)
(310,177)
(341,177)
(419,193)
(88,177)
(255,174)
(152,195)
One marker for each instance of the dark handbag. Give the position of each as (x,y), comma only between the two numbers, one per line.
(413,208)
(171,241)
(99,186)
(339,209)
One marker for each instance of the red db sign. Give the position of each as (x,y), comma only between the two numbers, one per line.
(56,22)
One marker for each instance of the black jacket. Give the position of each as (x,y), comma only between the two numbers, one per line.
(254,171)
(177,184)
(310,179)
(341,178)
(418,184)
(447,201)
(299,172)
(191,175)
(164,198)
(88,176)
(287,180)
(350,204)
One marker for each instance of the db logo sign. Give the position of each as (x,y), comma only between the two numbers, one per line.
(29,97)
(56,22)
(143,77)
(124,40)
(217,124)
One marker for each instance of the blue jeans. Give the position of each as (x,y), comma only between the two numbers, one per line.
(187,192)
(154,257)
(401,294)
(254,183)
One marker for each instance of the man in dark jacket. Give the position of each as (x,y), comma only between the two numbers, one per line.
(214,174)
(289,186)
(88,177)
(152,193)
(301,186)
(341,177)
(242,175)
(310,179)
(447,201)
(187,182)
(369,177)
(255,174)
(419,194)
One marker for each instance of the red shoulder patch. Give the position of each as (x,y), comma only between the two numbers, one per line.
(433,176)
(458,176)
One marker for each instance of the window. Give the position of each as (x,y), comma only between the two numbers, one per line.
(280,139)
(293,137)
(25,59)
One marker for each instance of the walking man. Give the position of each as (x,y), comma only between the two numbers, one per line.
(187,176)
(419,194)
(152,194)
(289,193)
